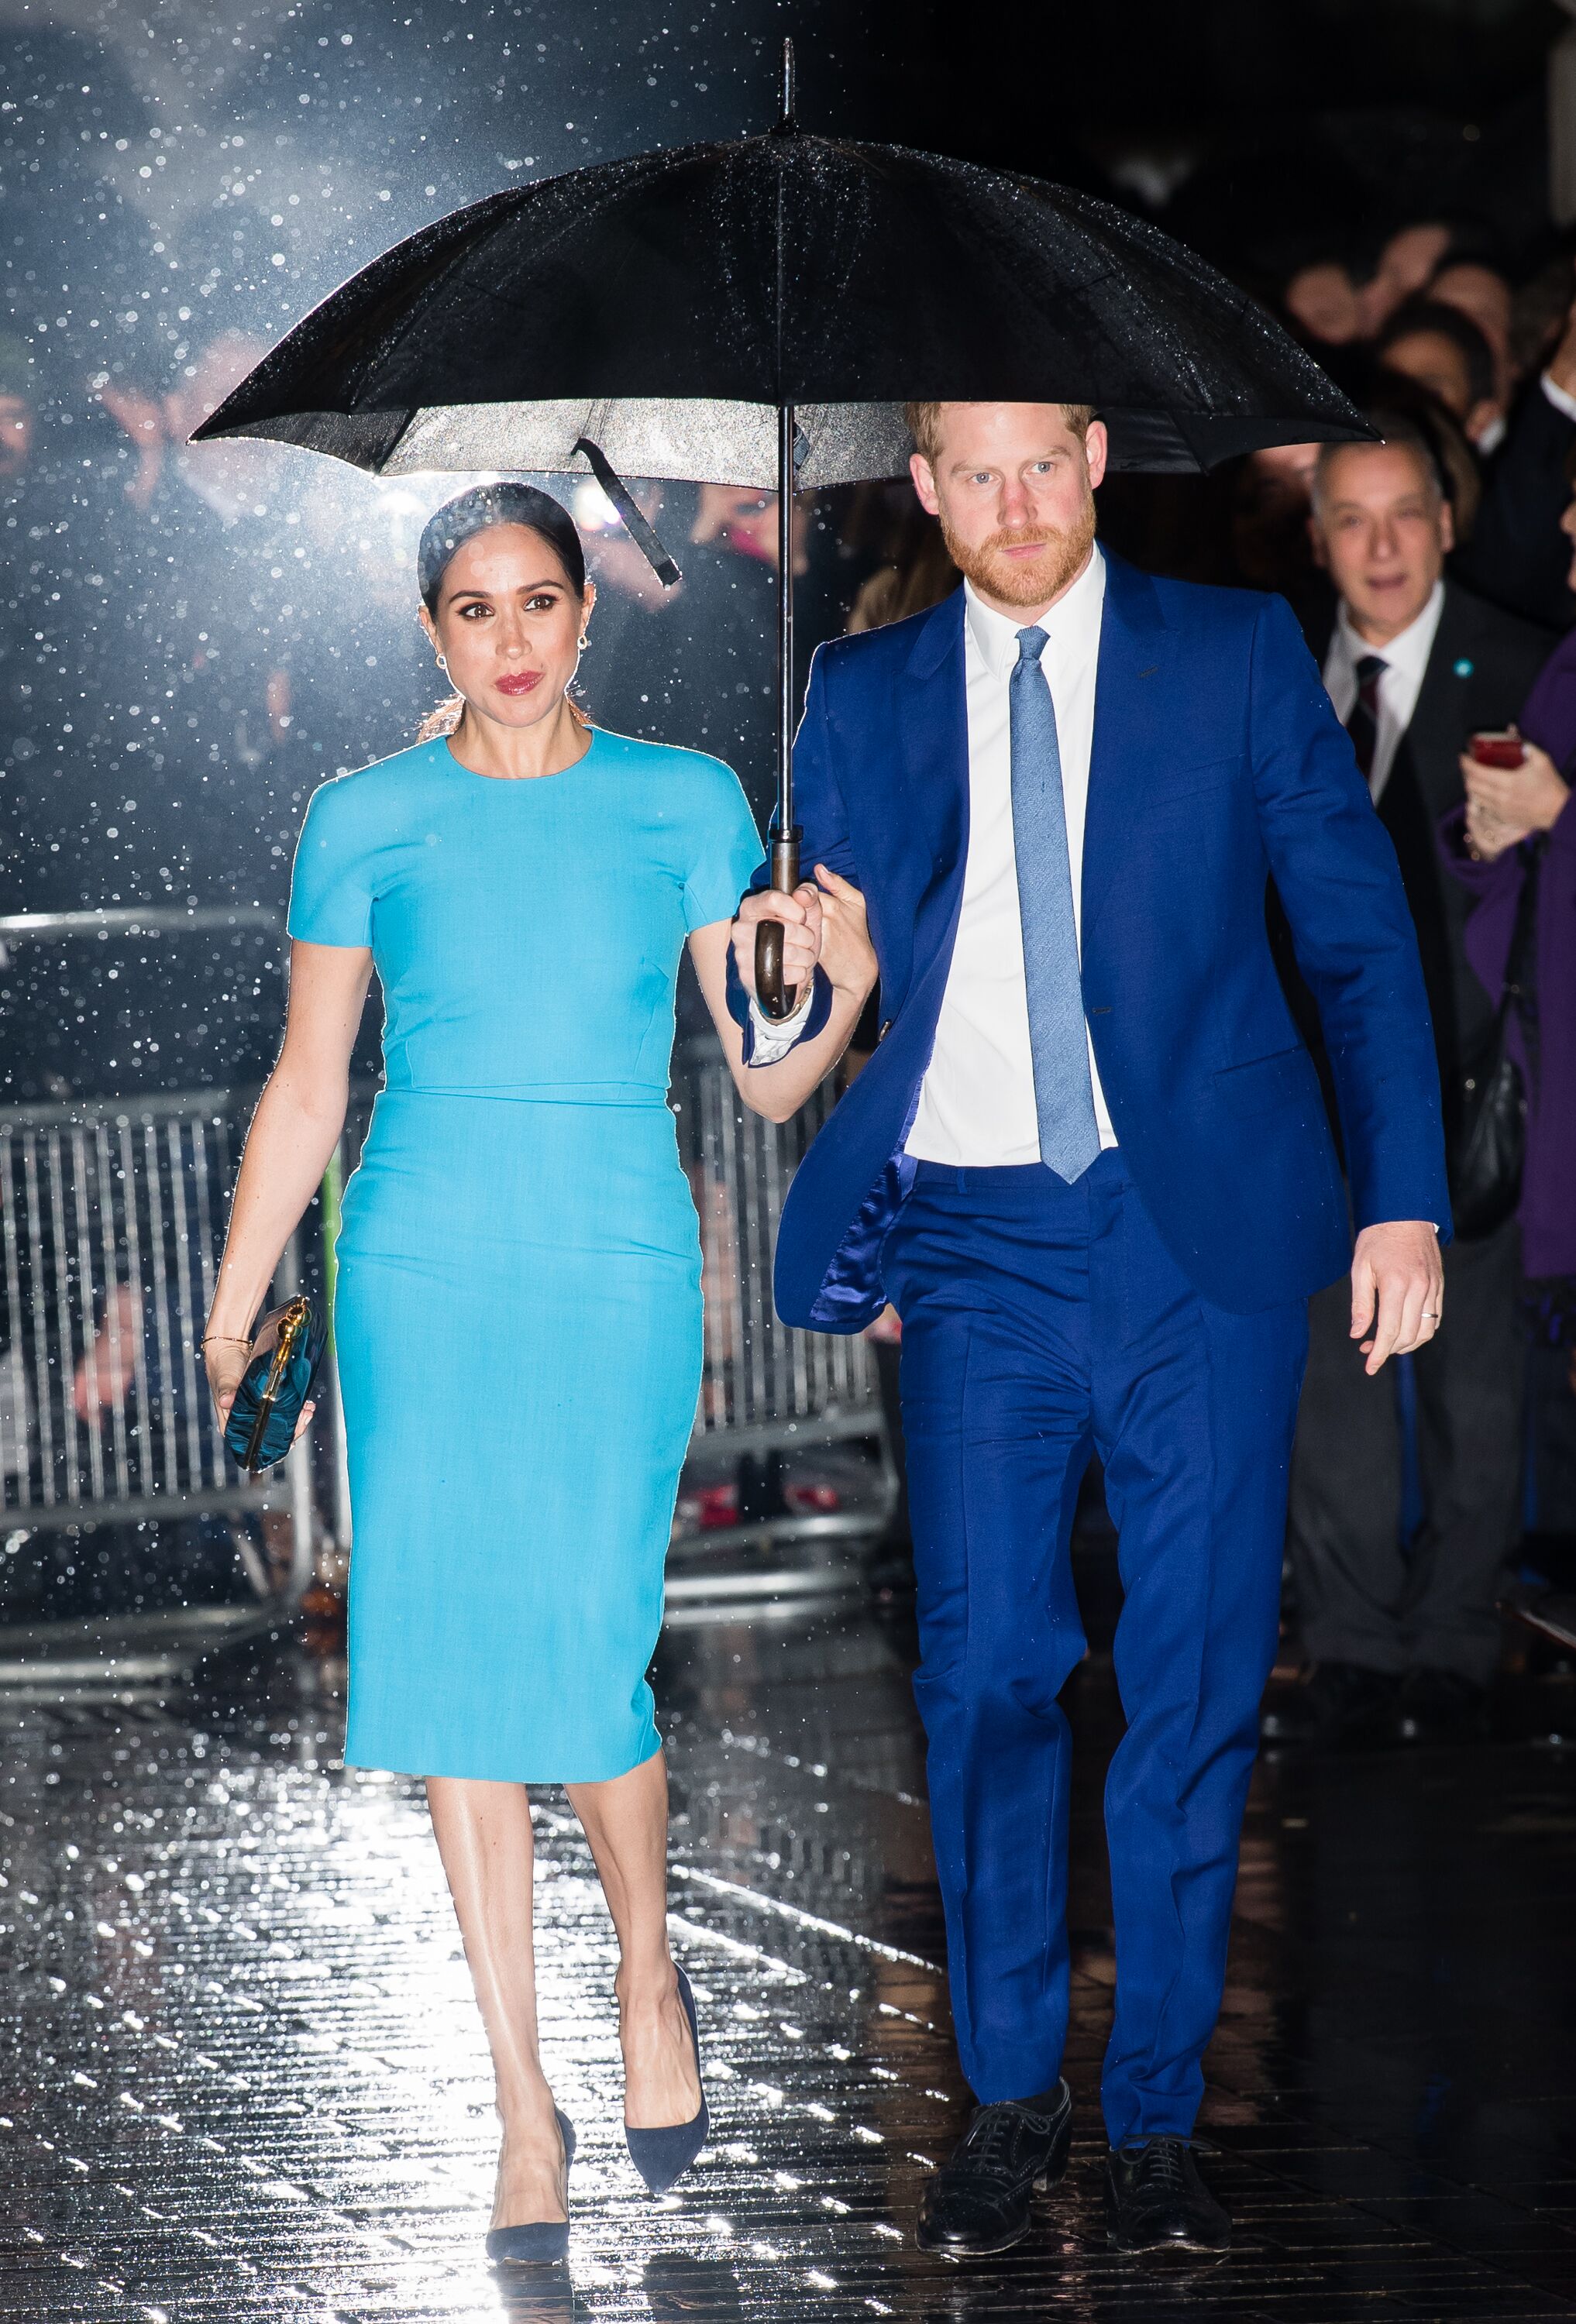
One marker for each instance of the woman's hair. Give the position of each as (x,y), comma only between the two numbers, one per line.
(448,529)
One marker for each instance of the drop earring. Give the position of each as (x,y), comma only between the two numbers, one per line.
(585,641)
(442,665)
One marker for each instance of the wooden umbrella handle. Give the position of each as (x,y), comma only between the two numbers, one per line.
(776,1001)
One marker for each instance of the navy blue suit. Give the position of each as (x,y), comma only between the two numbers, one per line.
(1154,1312)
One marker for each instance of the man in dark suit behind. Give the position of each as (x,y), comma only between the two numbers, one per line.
(1408,1635)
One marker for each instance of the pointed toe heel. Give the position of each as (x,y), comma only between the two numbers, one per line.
(663,2155)
(540,2243)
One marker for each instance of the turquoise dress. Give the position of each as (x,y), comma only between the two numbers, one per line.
(518,1313)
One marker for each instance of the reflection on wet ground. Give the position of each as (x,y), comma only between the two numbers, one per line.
(243,2079)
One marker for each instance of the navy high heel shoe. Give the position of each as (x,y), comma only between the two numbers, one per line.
(542,2243)
(663,2155)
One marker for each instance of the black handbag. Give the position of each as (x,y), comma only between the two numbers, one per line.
(1490,1149)
(277,1382)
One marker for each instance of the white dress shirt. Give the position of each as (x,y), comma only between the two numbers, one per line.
(1406,660)
(977,1102)
(976,1106)
(1559,397)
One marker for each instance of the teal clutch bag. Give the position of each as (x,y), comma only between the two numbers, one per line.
(287,1354)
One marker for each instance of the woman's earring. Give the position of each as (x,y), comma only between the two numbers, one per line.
(442,665)
(584,642)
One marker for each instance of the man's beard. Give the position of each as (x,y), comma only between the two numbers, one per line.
(1024,580)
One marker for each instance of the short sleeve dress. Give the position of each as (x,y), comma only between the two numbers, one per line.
(517,1315)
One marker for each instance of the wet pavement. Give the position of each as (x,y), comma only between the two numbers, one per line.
(242,2077)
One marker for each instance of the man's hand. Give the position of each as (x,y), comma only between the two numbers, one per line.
(1397,1289)
(800,915)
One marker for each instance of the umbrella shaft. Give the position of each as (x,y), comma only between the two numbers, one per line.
(784,818)
(770,988)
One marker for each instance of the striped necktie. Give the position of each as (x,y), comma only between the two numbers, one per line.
(1363,724)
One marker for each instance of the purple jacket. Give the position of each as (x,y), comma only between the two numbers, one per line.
(1548,1194)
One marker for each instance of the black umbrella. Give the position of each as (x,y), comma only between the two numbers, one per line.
(754,312)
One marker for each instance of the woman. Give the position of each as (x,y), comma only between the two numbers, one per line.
(1515,816)
(1518,823)
(518,1311)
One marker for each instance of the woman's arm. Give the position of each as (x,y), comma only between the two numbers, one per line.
(294,1130)
(842,943)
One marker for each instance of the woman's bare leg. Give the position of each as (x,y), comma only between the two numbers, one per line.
(485,1838)
(626,1823)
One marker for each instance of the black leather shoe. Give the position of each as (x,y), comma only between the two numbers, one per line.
(979,2199)
(1440,1706)
(1338,1704)
(1155,2202)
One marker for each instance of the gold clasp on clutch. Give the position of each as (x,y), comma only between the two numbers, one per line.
(292,1323)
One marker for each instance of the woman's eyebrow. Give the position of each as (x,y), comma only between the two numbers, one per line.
(546,581)
(527,588)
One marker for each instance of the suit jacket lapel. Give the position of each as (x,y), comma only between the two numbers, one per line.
(1130,733)
(1437,732)
(934,774)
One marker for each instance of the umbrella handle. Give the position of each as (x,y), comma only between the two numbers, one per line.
(776,1001)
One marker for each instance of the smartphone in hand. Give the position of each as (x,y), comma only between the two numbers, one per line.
(1496,746)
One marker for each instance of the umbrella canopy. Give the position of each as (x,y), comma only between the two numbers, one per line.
(668,308)
(755,312)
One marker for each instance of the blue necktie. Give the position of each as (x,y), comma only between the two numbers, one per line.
(1063,1094)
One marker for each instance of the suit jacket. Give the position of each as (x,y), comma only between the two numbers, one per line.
(1216,759)
(1518,556)
(1480,667)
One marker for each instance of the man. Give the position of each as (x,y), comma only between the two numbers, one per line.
(1518,556)
(1410,1633)
(1099,1201)
(1269,527)
(1480,291)
(1405,266)
(1323,303)
(1442,350)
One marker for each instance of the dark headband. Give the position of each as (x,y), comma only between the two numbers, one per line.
(451,526)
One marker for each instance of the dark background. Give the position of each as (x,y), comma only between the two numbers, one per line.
(176,675)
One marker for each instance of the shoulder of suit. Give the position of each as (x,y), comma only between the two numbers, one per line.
(1210,606)
(1493,628)
(892,642)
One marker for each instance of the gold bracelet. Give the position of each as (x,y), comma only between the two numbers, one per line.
(225,1339)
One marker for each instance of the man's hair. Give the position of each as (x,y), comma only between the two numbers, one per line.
(1395,428)
(1416,317)
(924,421)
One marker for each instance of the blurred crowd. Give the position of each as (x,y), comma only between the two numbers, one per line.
(192,638)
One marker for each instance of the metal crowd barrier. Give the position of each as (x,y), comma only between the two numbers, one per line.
(112,1215)
(770,1394)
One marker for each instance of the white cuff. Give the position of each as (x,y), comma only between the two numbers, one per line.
(775,1036)
(1559,397)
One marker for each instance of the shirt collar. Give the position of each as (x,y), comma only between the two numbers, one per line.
(1071,625)
(1409,649)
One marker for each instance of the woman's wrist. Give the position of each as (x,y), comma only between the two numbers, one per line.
(1558,800)
(857,993)
(227,1322)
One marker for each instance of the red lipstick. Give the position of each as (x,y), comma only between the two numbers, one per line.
(519,681)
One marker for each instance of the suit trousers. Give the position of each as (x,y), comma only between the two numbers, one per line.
(1362,1595)
(1042,1322)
